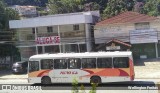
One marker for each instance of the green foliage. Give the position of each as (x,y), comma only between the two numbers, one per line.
(41,3)
(151,7)
(82,89)
(75,86)
(2,14)
(114,7)
(108,8)
(6,34)
(93,90)
(10,14)
(91,6)
(41,11)
(64,6)
(6,14)
(71,6)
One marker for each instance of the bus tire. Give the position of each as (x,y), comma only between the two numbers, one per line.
(46,80)
(95,80)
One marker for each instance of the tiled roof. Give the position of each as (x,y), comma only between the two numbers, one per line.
(120,42)
(127,17)
(116,41)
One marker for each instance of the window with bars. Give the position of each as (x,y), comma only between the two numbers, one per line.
(49,29)
(75,27)
(141,26)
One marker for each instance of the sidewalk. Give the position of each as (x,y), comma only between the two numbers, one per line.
(9,75)
(147,68)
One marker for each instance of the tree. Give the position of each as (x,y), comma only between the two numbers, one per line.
(151,7)
(40,3)
(65,6)
(6,14)
(6,34)
(101,3)
(70,6)
(114,7)
(10,14)
(138,7)
(91,6)
(2,14)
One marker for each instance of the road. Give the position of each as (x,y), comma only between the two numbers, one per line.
(138,86)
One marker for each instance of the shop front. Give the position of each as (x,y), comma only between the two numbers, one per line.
(144,43)
(143,51)
(158,48)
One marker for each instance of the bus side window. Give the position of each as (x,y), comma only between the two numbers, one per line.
(121,62)
(33,66)
(88,62)
(74,63)
(104,62)
(60,64)
(46,64)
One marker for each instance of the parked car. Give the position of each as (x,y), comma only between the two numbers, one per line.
(20,67)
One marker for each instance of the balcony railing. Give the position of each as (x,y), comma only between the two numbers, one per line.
(72,34)
(68,34)
(32,36)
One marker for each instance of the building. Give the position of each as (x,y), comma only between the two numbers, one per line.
(55,33)
(140,31)
(25,11)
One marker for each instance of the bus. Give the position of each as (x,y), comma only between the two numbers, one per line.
(87,67)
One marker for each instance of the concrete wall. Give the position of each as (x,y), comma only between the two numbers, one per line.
(116,30)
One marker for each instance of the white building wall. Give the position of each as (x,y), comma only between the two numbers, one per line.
(105,33)
(61,23)
(61,19)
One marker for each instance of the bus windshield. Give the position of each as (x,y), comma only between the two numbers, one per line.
(33,66)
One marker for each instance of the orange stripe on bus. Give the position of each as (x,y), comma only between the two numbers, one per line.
(43,73)
(108,72)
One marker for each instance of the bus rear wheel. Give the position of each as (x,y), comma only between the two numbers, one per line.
(95,80)
(46,80)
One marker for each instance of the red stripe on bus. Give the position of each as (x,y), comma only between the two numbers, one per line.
(40,74)
(89,71)
(123,73)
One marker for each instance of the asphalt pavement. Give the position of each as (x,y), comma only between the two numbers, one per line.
(137,86)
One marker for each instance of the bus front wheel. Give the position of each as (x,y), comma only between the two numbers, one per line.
(46,80)
(95,80)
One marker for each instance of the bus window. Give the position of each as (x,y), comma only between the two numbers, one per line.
(104,62)
(33,66)
(74,63)
(47,64)
(60,64)
(89,63)
(121,62)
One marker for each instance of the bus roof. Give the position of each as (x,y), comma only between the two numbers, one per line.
(83,55)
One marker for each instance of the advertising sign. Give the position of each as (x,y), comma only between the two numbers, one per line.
(143,36)
(51,40)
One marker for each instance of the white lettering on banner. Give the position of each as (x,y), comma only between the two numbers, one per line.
(55,40)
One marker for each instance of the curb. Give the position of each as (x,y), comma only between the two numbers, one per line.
(11,78)
(146,78)
(158,85)
(135,78)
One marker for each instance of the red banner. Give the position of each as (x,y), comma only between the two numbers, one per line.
(52,40)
